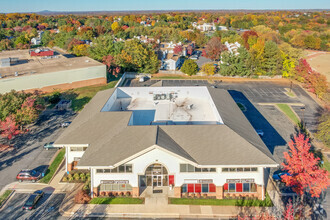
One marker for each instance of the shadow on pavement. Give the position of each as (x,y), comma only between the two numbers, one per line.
(271,137)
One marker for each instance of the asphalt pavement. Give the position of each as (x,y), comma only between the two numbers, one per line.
(46,208)
(28,150)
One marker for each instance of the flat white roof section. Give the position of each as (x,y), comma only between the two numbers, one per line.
(165,105)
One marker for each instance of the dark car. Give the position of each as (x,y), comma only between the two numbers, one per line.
(277,176)
(30,175)
(33,200)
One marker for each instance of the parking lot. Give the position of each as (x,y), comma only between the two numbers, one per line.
(28,150)
(47,207)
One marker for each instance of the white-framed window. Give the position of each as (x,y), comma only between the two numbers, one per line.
(240,169)
(127,168)
(188,168)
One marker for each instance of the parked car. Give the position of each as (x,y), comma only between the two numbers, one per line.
(28,174)
(277,175)
(33,199)
(50,145)
(260,132)
(65,124)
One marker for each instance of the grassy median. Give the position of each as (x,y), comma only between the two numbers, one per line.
(117,200)
(53,167)
(289,113)
(4,196)
(222,202)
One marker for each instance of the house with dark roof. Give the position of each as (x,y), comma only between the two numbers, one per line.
(180,141)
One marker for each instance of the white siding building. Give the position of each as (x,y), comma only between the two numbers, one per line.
(179,140)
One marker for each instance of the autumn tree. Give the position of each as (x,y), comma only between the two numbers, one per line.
(305,174)
(177,49)
(246,35)
(28,112)
(8,128)
(214,48)
(189,67)
(112,67)
(208,68)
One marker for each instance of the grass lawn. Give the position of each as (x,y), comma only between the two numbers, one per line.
(288,111)
(4,196)
(81,96)
(241,106)
(326,164)
(118,200)
(52,168)
(85,94)
(222,202)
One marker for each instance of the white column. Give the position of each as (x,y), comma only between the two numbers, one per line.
(263,184)
(66,159)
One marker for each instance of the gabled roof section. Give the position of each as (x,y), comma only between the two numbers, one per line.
(166,142)
(130,141)
(216,145)
(234,118)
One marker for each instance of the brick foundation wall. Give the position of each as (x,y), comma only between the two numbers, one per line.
(136,192)
(95,191)
(219,192)
(66,86)
(259,191)
(177,192)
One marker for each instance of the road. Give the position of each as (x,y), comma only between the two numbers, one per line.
(29,152)
(47,207)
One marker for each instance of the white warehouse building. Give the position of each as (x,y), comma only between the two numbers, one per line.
(177,140)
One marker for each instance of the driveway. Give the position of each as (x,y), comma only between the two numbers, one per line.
(29,152)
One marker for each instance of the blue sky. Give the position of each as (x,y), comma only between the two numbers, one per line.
(115,5)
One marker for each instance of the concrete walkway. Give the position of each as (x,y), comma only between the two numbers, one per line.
(159,211)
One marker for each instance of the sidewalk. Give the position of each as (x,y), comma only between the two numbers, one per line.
(159,211)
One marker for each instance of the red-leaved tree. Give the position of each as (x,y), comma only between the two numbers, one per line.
(112,67)
(305,173)
(177,49)
(214,48)
(8,128)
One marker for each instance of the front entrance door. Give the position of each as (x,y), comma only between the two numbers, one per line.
(157,180)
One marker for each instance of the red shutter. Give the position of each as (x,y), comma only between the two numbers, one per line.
(225,187)
(211,187)
(198,188)
(171,179)
(239,187)
(190,187)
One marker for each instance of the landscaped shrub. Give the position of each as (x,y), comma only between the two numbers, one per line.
(76,176)
(82,197)
(82,177)
(70,177)
(65,179)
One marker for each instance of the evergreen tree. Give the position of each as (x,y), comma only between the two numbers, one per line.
(272,64)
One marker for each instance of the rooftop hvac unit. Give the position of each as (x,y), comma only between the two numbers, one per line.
(16,73)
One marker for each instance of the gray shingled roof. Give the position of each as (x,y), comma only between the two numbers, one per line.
(111,140)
